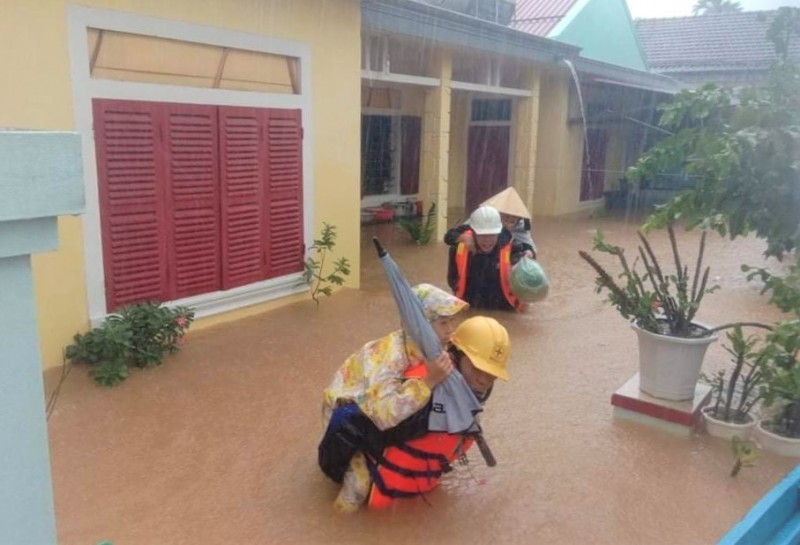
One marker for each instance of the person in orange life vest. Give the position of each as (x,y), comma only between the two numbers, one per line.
(371,388)
(413,459)
(358,448)
(481,256)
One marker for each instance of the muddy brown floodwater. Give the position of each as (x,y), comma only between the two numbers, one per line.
(219,444)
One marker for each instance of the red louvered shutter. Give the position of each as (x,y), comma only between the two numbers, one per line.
(284,215)
(130,167)
(193,199)
(242,171)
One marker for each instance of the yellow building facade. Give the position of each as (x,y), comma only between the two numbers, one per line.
(54,83)
(483,107)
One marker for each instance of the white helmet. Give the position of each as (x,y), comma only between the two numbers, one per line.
(486,221)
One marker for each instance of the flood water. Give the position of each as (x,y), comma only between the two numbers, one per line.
(219,444)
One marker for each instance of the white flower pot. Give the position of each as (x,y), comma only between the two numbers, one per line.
(669,367)
(785,446)
(726,430)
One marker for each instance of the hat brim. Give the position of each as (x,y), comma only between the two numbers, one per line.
(487,367)
(508,202)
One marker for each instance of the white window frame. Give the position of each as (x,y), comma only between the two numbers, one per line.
(85,88)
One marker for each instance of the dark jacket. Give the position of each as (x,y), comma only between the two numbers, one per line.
(484,290)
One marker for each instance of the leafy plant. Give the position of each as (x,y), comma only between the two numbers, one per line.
(785,290)
(782,378)
(139,335)
(735,396)
(110,373)
(742,151)
(740,148)
(315,265)
(155,331)
(745,454)
(421,231)
(658,302)
(109,342)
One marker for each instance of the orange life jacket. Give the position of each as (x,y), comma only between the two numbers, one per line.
(462,268)
(414,467)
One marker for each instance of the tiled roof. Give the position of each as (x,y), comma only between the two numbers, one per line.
(707,43)
(539,17)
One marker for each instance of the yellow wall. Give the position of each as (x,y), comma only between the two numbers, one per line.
(435,159)
(457,184)
(525,137)
(393,100)
(560,150)
(37,95)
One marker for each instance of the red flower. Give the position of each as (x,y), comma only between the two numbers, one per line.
(181,321)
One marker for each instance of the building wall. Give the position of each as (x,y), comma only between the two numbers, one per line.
(393,100)
(589,25)
(525,138)
(560,149)
(40,98)
(459,123)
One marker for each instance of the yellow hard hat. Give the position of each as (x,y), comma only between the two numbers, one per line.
(485,342)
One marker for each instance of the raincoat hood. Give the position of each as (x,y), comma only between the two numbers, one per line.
(438,303)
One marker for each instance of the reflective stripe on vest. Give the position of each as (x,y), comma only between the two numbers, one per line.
(414,467)
(462,268)
(505,276)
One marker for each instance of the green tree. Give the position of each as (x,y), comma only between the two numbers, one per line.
(741,150)
(707,7)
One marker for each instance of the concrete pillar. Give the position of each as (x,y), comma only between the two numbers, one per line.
(559,149)
(40,179)
(436,142)
(525,138)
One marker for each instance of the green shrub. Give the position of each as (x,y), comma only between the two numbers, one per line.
(138,335)
(421,231)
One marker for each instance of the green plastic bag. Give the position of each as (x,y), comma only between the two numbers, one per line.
(529,281)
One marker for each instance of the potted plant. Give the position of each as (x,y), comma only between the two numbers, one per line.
(779,431)
(421,231)
(661,308)
(735,397)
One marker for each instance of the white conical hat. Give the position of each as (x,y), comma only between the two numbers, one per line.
(508,202)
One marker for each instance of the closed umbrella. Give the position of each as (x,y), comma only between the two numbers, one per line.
(454,403)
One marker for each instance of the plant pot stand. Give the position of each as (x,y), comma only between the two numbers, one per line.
(678,417)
